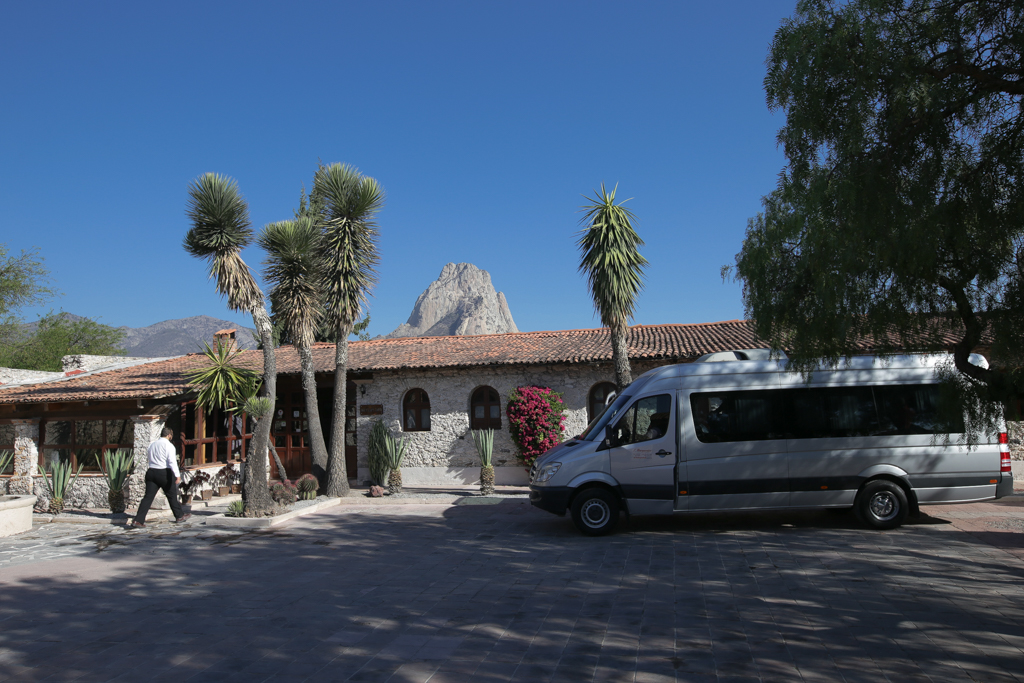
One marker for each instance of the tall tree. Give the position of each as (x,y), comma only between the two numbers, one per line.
(23,282)
(898,216)
(350,204)
(58,335)
(220,230)
(292,268)
(610,258)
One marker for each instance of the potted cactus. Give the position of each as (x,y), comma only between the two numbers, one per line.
(307,485)
(118,465)
(59,483)
(484,441)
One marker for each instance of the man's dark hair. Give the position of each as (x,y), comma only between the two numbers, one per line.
(167,431)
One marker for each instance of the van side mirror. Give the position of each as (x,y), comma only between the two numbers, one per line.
(609,437)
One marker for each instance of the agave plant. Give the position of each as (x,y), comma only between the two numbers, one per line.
(5,460)
(394,452)
(378,453)
(59,483)
(118,466)
(484,441)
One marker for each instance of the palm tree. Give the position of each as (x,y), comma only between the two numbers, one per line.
(293,269)
(614,268)
(220,230)
(348,247)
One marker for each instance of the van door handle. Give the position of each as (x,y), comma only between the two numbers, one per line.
(663,452)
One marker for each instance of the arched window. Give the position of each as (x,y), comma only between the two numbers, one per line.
(416,411)
(599,398)
(485,409)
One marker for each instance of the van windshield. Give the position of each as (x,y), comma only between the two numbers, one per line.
(596,428)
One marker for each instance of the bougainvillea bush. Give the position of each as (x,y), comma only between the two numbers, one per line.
(536,421)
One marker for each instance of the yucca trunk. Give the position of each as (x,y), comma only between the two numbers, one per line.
(254,491)
(116,501)
(56,506)
(316,432)
(487,480)
(337,474)
(620,357)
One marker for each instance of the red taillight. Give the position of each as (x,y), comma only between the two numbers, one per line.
(1004,452)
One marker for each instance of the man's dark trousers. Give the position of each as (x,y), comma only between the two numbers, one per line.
(155,481)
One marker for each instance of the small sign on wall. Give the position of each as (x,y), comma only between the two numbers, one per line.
(371,409)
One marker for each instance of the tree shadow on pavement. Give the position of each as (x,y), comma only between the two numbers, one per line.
(507,592)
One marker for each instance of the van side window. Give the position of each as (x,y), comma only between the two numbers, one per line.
(819,413)
(737,416)
(647,419)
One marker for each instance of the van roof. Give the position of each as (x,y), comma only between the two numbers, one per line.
(746,367)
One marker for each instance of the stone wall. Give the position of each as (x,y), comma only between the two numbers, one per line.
(446,453)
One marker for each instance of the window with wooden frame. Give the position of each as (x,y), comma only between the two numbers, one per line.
(600,396)
(416,411)
(216,436)
(485,409)
(7,436)
(83,442)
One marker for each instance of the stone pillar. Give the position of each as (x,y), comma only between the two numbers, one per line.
(147,430)
(26,456)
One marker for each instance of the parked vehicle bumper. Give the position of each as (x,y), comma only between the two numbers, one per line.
(1005,485)
(554,499)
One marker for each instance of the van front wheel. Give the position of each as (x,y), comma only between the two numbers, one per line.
(595,512)
(882,504)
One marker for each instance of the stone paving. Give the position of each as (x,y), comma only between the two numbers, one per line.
(505,592)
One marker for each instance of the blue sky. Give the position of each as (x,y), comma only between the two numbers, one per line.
(485,122)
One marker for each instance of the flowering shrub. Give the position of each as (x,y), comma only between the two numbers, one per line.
(536,419)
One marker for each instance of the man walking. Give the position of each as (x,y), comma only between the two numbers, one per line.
(162,474)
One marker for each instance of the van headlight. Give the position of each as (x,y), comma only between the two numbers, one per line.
(546,472)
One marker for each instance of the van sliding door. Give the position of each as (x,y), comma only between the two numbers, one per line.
(735,459)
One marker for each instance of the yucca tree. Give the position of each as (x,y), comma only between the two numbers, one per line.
(220,230)
(348,248)
(292,268)
(611,260)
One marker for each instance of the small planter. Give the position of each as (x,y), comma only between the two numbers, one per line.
(236,488)
(186,500)
(16,514)
(223,490)
(207,494)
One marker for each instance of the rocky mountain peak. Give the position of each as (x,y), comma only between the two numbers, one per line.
(462,301)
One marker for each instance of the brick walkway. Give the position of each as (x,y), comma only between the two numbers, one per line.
(506,592)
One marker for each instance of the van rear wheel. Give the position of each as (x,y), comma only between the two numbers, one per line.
(595,512)
(882,504)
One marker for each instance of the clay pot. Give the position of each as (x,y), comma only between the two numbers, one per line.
(207,494)
(223,490)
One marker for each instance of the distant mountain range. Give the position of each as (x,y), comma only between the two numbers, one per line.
(181,336)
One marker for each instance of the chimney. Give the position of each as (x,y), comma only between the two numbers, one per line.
(225,338)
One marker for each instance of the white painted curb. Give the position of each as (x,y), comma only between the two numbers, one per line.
(266,522)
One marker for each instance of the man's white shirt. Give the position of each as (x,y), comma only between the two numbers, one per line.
(162,456)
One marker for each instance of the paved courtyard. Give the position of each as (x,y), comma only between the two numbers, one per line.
(505,592)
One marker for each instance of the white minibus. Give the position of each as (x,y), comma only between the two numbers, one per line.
(744,435)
